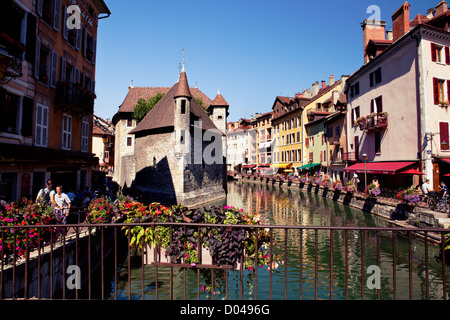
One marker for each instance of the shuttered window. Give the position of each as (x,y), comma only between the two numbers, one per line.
(438,90)
(444,136)
(41,133)
(433,52)
(85,135)
(67,132)
(447,55)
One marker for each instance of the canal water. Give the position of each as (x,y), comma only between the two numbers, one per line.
(314,278)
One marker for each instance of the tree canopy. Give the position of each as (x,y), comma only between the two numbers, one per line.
(144,106)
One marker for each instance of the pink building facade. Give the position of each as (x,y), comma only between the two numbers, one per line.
(397,113)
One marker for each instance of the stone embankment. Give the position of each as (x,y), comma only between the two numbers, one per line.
(398,213)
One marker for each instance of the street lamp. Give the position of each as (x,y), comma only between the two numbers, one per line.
(310,164)
(444,145)
(365,169)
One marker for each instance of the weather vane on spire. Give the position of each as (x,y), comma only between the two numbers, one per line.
(183,70)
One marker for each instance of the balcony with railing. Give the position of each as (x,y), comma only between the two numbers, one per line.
(72,96)
(350,156)
(373,121)
(334,141)
(11,57)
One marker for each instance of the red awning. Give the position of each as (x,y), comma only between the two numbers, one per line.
(248,166)
(264,165)
(412,171)
(445,160)
(390,168)
(447,175)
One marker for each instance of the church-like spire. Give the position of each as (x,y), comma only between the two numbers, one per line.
(219,100)
(183,86)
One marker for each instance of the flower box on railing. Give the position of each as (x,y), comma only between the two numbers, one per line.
(157,256)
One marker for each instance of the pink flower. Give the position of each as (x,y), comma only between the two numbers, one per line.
(203,288)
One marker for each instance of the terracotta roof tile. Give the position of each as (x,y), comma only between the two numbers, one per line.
(162,114)
(183,87)
(136,93)
(219,100)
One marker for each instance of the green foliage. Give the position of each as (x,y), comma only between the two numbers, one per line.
(101,210)
(25,213)
(144,106)
(201,103)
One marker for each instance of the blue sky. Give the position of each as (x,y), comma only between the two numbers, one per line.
(252,50)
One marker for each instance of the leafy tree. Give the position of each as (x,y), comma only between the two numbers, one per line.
(144,106)
(201,103)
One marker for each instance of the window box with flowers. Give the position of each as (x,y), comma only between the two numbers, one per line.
(382,120)
(361,122)
(223,247)
(444,104)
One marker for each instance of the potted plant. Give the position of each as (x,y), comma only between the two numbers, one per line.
(444,104)
(361,122)
(326,183)
(338,186)
(372,190)
(350,187)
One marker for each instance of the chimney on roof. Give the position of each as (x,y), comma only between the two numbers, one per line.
(372,30)
(331,80)
(441,7)
(389,34)
(400,21)
(324,84)
(307,93)
(430,13)
(315,88)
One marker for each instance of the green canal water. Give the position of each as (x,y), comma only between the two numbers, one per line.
(314,279)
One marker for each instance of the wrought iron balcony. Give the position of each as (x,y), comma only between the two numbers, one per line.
(350,156)
(334,141)
(73,97)
(11,57)
(373,121)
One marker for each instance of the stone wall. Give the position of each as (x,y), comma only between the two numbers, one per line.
(163,170)
(57,261)
(385,208)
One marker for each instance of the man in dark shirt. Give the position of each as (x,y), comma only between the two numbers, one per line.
(444,197)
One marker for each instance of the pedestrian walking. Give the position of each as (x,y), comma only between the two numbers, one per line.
(62,205)
(46,194)
(444,197)
(355,181)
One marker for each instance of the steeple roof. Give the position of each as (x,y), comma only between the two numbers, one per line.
(183,86)
(163,114)
(219,100)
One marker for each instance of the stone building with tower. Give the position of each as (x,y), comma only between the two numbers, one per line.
(178,155)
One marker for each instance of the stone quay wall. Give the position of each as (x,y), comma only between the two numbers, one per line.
(52,283)
(386,208)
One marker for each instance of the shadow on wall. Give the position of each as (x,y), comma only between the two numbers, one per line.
(153,184)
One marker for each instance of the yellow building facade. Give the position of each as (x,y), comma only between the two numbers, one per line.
(322,104)
(287,127)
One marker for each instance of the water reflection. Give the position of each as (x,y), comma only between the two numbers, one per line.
(307,273)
